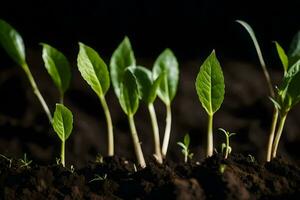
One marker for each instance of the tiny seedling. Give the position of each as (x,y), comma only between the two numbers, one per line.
(98,178)
(57,160)
(58,68)
(94,71)
(99,159)
(126,89)
(166,64)
(210,88)
(251,158)
(8,159)
(13,44)
(62,125)
(287,95)
(25,162)
(185,148)
(147,92)
(226,148)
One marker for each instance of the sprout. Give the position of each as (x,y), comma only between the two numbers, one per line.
(210,88)
(62,125)
(95,73)
(13,44)
(287,95)
(185,148)
(226,148)
(25,162)
(167,64)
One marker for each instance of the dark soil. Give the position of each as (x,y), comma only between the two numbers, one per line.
(243,178)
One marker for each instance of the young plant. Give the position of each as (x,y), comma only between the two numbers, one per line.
(210,88)
(129,101)
(167,64)
(185,148)
(94,71)
(126,89)
(147,92)
(58,68)
(62,125)
(226,148)
(25,162)
(287,95)
(13,44)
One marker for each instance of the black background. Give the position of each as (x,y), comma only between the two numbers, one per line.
(191,28)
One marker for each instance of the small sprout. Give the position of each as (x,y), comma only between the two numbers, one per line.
(166,64)
(222,168)
(13,44)
(210,88)
(62,125)
(94,71)
(72,169)
(25,162)
(185,148)
(98,178)
(99,159)
(225,148)
(134,167)
(147,88)
(8,159)
(251,158)
(57,161)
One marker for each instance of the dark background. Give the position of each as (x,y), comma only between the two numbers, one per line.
(190,28)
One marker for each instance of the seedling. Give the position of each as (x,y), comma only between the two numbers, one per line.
(226,148)
(98,178)
(126,89)
(167,64)
(62,125)
(210,89)
(13,44)
(94,71)
(287,95)
(185,148)
(7,159)
(147,92)
(25,162)
(58,68)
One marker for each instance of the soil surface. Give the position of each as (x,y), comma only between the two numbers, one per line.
(118,178)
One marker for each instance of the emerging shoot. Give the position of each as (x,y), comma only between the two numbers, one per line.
(94,71)
(226,148)
(210,88)
(148,92)
(62,125)
(185,148)
(25,162)
(13,44)
(167,64)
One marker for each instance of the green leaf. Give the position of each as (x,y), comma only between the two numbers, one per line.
(12,43)
(283,57)
(294,51)
(146,86)
(62,122)
(122,58)
(93,69)
(210,84)
(144,81)
(182,146)
(57,66)
(294,90)
(167,63)
(129,95)
(186,140)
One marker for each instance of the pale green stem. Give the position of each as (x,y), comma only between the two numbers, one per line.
(227,147)
(62,154)
(278,134)
(136,142)
(272,133)
(61,98)
(167,130)
(37,92)
(110,134)
(154,123)
(210,144)
(186,155)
